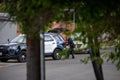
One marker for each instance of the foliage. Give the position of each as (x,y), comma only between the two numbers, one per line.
(33,15)
(93,17)
(114,56)
(2,6)
(65,54)
(29,14)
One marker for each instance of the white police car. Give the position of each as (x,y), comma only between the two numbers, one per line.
(16,48)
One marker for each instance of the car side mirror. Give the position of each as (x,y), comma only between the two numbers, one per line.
(8,41)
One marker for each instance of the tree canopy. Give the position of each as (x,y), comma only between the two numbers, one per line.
(92,18)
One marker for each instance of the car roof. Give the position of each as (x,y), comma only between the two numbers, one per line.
(53,34)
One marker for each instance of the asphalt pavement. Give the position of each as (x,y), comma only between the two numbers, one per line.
(68,69)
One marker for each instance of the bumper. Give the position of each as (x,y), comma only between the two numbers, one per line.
(8,54)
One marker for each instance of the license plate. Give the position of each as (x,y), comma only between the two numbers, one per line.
(0,53)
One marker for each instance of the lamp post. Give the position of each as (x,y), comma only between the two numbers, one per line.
(73,11)
(73,16)
(42,60)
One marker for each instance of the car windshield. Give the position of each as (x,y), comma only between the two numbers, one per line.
(19,39)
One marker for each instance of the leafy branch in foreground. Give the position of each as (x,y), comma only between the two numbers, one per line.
(114,56)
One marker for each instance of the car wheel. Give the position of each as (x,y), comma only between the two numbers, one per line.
(3,60)
(22,57)
(56,54)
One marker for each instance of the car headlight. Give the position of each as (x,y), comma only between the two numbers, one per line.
(13,47)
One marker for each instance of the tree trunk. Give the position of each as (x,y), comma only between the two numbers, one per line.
(96,66)
(98,70)
(33,59)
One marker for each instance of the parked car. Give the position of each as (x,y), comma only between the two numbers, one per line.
(16,48)
(80,46)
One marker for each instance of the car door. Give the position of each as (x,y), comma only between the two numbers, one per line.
(49,44)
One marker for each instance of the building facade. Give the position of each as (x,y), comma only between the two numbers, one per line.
(8,29)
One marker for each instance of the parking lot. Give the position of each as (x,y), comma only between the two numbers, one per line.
(68,69)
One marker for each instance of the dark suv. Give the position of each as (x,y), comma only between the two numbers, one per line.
(16,49)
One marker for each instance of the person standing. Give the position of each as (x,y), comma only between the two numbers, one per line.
(72,46)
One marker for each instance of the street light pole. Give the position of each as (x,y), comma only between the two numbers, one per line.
(73,11)
(42,60)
